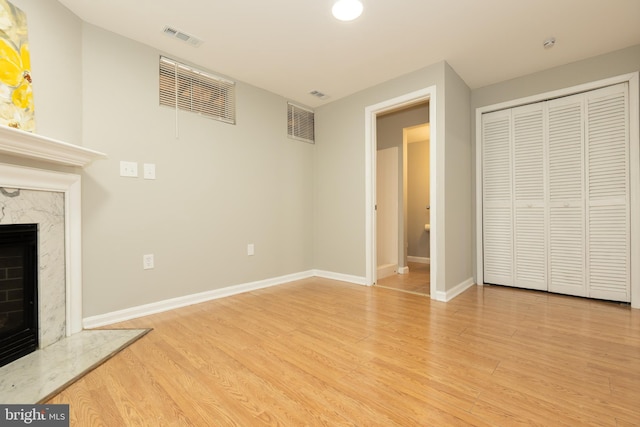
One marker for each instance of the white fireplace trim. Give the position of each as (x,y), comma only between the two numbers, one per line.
(69,184)
(19,143)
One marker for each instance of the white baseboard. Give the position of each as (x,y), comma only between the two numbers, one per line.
(419,259)
(357,280)
(455,291)
(173,303)
(386,270)
(403,270)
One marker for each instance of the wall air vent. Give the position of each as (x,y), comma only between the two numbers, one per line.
(300,123)
(182,36)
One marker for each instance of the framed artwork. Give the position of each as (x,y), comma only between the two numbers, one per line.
(16,93)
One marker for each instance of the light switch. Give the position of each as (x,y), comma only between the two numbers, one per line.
(251,249)
(147,261)
(149,171)
(128,169)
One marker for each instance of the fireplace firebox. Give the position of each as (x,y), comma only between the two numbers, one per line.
(18,291)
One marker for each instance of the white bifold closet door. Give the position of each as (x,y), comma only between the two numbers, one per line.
(566,202)
(556,196)
(608,215)
(530,248)
(497,198)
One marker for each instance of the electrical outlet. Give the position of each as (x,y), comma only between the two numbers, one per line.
(251,250)
(128,169)
(147,261)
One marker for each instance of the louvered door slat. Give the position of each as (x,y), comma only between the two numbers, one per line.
(566,196)
(497,200)
(608,231)
(530,256)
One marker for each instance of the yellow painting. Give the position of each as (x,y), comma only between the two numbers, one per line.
(16,93)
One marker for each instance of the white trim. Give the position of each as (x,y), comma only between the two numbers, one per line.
(386,270)
(447,296)
(634,189)
(25,144)
(173,303)
(634,140)
(356,280)
(69,184)
(419,259)
(371,112)
(403,270)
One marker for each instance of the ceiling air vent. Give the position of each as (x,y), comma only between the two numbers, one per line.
(318,94)
(300,123)
(180,35)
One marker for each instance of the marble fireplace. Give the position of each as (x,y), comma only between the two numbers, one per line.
(52,200)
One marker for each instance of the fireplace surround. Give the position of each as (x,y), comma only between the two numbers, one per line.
(51,199)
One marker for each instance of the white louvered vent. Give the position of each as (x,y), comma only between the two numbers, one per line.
(182,36)
(193,90)
(300,123)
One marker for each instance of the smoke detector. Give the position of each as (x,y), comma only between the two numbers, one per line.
(549,43)
(182,36)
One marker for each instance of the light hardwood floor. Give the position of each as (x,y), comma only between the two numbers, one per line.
(324,353)
(417,280)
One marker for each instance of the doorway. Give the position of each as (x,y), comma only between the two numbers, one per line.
(402,191)
(425,99)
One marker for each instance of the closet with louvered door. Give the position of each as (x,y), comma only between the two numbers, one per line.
(556,195)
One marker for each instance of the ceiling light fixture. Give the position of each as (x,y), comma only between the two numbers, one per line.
(347,10)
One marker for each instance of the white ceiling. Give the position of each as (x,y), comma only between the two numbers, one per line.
(291,47)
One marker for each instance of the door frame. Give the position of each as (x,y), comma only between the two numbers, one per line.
(371,113)
(634,166)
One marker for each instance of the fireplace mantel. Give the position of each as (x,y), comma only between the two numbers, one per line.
(25,144)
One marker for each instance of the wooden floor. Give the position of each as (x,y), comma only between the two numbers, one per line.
(417,280)
(325,353)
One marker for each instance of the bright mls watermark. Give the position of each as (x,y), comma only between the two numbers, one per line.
(34,415)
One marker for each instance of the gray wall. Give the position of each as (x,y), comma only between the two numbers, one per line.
(221,187)
(597,68)
(55,42)
(458,215)
(339,239)
(218,187)
(339,234)
(389,126)
(417,199)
